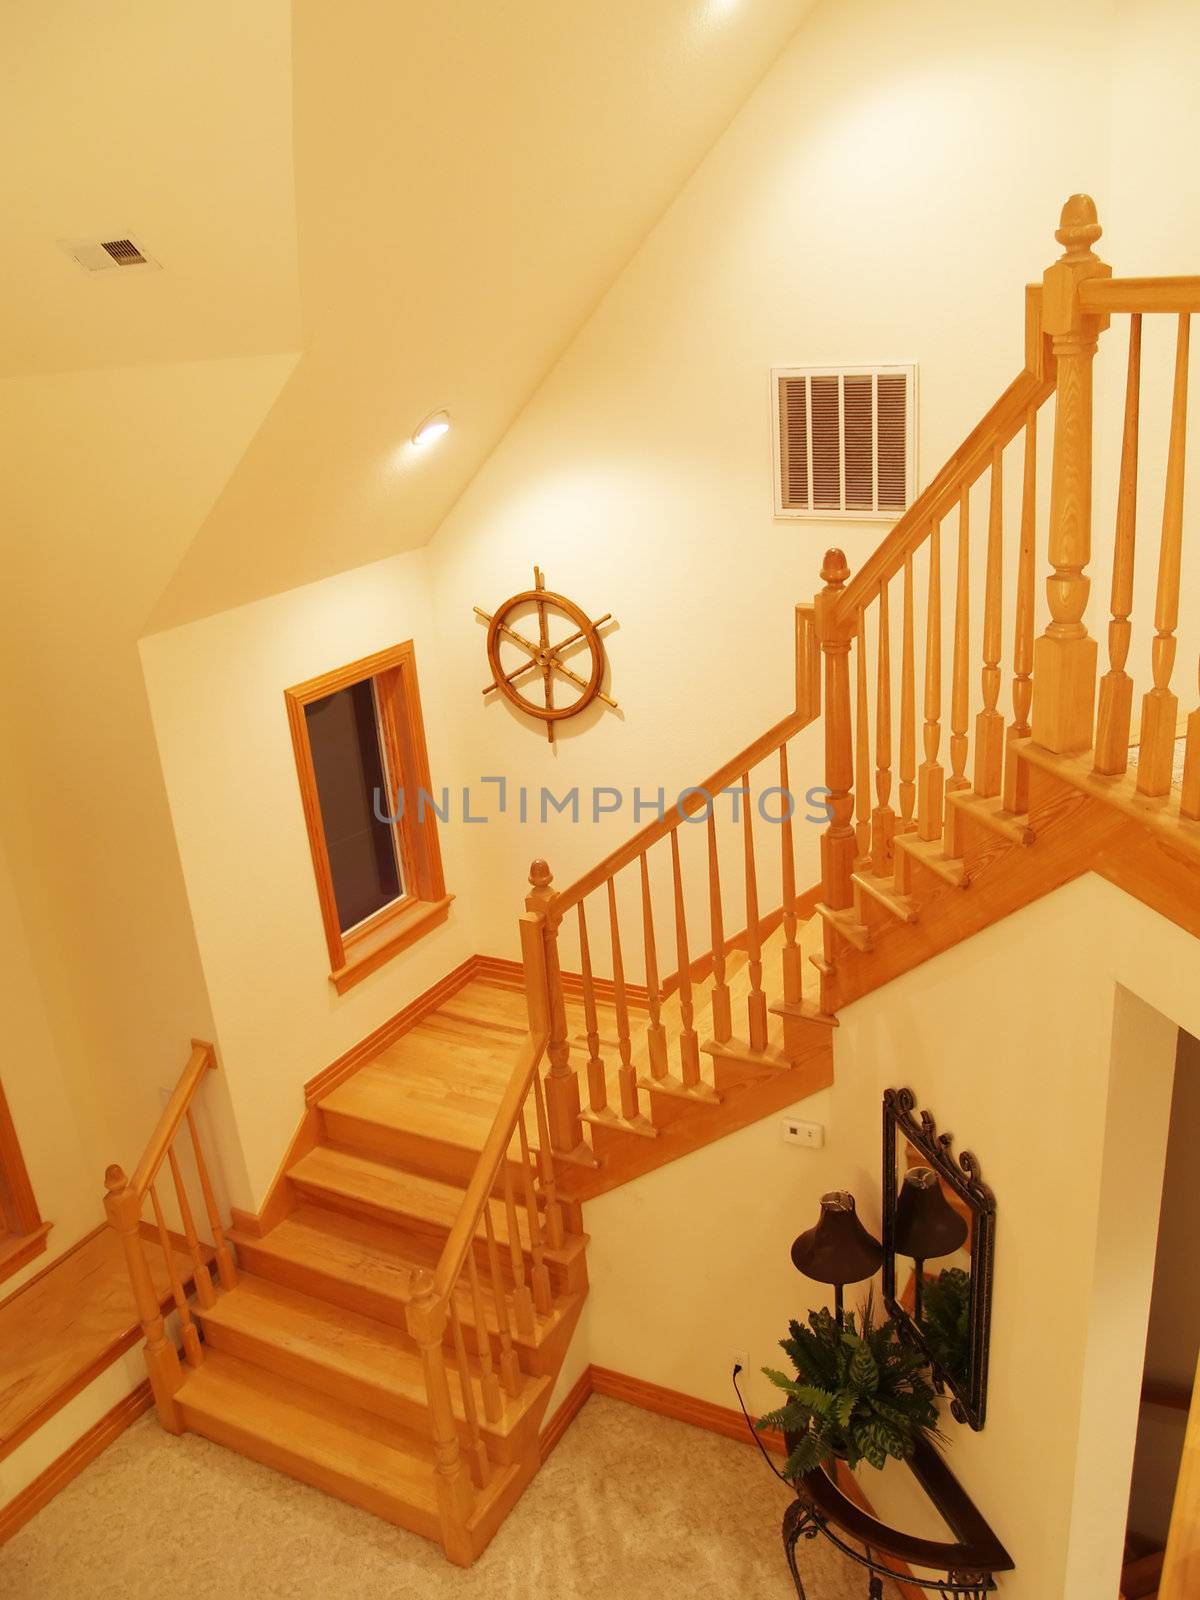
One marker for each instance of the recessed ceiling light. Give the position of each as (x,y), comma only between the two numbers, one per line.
(434,426)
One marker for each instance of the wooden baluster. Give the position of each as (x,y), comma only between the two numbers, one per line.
(1064,658)
(493,1406)
(626,1077)
(1016,772)
(1189,801)
(426,1321)
(187,1328)
(1116,687)
(123,1208)
(989,724)
(205,1292)
(793,957)
(1160,708)
(862,746)
(551,1209)
(597,1086)
(539,1274)
(756,1000)
(510,1370)
(908,709)
(479,1465)
(932,779)
(837,842)
(225,1267)
(656,1034)
(522,1299)
(689,1043)
(722,1014)
(959,700)
(883,818)
(562,1086)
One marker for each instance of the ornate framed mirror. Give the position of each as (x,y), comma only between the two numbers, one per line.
(939,1242)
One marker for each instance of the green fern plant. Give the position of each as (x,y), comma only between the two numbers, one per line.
(859,1394)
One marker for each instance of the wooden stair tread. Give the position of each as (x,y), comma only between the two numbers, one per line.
(370,1260)
(293,1425)
(930,853)
(990,811)
(344,1343)
(885,893)
(847,925)
(370,1181)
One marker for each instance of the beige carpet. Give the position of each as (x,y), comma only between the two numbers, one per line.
(629,1507)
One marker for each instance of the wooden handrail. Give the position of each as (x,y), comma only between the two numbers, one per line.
(202,1059)
(1105,296)
(969,462)
(691,802)
(483,1179)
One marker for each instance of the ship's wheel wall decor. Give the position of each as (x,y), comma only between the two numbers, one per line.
(544,656)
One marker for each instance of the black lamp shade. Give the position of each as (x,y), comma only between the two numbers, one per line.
(839,1249)
(927,1225)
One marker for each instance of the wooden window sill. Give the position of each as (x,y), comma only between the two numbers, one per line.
(18,1252)
(386,938)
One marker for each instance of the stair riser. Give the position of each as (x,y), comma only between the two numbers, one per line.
(561,1274)
(368,1496)
(434,1158)
(375,1398)
(354,1296)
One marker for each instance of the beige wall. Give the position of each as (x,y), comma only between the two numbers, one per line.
(1046,1045)
(103,478)
(216,691)
(62,1162)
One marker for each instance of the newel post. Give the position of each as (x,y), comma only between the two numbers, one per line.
(1064,658)
(562,1086)
(426,1320)
(837,842)
(123,1206)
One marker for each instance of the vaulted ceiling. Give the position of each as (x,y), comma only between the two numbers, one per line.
(426,200)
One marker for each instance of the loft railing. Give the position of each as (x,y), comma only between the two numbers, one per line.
(124,1203)
(871,706)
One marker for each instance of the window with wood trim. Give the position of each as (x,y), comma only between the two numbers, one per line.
(845,441)
(369,809)
(22,1231)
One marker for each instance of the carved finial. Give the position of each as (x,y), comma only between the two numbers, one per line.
(1078,228)
(540,875)
(835,569)
(114,1179)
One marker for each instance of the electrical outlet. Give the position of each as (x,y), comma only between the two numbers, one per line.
(811,1134)
(740,1359)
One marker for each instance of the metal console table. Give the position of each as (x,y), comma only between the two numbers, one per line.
(970,1563)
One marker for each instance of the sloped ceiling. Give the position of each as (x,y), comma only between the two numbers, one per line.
(171,121)
(469,180)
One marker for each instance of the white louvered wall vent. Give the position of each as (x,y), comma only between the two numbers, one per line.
(110,252)
(845,441)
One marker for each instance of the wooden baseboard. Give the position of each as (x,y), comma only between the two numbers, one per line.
(511,975)
(567,1412)
(73,1460)
(725,1420)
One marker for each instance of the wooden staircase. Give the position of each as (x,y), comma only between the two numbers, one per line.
(399,1310)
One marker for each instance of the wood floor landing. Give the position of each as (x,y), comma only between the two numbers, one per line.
(66,1325)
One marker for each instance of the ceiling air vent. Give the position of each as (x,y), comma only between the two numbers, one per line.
(845,441)
(109,252)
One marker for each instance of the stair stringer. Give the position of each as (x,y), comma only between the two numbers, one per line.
(1074,832)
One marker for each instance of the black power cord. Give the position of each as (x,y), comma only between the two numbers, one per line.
(737,1367)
